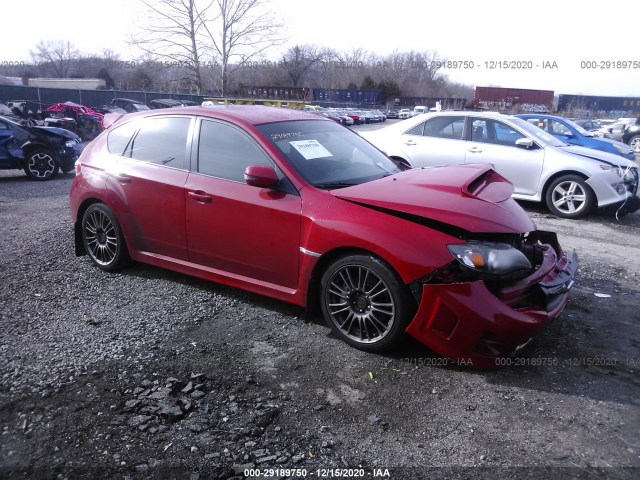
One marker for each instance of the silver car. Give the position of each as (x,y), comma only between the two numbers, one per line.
(569,179)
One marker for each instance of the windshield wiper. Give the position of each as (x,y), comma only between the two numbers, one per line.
(336,184)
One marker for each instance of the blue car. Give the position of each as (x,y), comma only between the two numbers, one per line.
(573,134)
(39,151)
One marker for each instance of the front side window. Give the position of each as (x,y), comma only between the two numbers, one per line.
(558,128)
(444,127)
(161,140)
(494,132)
(506,135)
(226,152)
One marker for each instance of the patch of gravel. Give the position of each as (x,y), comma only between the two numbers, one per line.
(148,373)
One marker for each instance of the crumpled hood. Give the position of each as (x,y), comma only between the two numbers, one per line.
(55,132)
(471,197)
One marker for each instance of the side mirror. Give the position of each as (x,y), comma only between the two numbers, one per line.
(610,130)
(260,176)
(524,143)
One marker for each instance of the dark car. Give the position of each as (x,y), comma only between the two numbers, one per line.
(393,114)
(104,109)
(631,135)
(129,105)
(39,151)
(165,103)
(290,205)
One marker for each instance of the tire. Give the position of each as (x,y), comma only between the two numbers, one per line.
(102,238)
(634,143)
(569,196)
(365,303)
(41,165)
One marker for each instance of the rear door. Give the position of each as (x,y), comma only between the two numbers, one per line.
(147,182)
(492,141)
(436,141)
(234,227)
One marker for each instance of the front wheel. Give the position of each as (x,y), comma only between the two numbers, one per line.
(103,239)
(365,303)
(41,165)
(569,196)
(634,143)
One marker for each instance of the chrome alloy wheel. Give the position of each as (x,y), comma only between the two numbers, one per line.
(569,197)
(360,304)
(101,237)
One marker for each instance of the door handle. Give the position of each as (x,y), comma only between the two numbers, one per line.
(200,196)
(475,150)
(410,142)
(123,178)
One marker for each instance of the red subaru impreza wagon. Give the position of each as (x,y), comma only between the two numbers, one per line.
(294,206)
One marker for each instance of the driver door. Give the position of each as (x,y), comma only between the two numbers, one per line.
(234,227)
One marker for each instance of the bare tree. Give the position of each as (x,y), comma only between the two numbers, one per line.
(176,35)
(240,31)
(55,56)
(299,59)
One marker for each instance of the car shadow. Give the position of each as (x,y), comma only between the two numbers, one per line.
(578,354)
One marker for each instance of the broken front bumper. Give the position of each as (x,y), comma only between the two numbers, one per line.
(469,323)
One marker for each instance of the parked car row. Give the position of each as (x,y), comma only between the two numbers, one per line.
(350,116)
(49,141)
(569,179)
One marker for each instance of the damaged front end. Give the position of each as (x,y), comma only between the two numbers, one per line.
(493,298)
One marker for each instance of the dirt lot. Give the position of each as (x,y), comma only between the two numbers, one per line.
(147,373)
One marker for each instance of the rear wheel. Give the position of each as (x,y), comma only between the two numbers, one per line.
(569,196)
(634,143)
(365,303)
(40,165)
(103,239)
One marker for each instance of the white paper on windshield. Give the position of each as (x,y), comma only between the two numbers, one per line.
(310,149)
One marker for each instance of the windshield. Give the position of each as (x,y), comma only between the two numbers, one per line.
(326,154)
(580,130)
(537,133)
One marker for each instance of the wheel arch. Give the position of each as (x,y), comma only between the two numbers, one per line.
(77,226)
(313,286)
(31,147)
(563,173)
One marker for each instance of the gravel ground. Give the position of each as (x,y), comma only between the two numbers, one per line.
(152,374)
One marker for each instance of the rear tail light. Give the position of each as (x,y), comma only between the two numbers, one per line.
(78,166)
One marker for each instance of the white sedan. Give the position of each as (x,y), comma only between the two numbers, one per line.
(569,179)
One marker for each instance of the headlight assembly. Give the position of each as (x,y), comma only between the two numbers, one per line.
(70,143)
(491,258)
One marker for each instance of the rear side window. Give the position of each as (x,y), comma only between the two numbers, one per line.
(161,140)
(120,137)
(444,127)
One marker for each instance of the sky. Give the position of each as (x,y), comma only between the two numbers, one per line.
(589,48)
